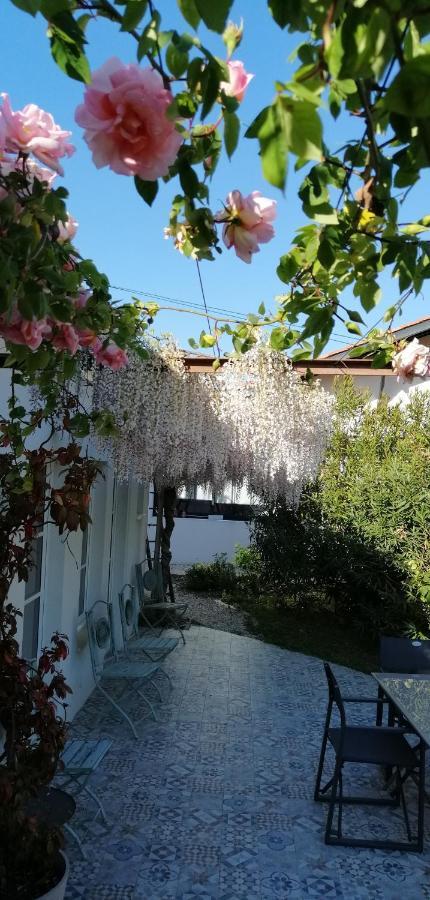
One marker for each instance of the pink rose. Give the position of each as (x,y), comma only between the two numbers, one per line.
(32,130)
(66,338)
(112,356)
(67,230)
(89,339)
(414,359)
(247,223)
(239,80)
(124,116)
(35,332)
(23,331)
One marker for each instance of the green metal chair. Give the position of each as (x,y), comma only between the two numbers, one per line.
(107,668)
(166,614)
(138,640)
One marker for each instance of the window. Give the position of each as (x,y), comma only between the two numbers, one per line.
(31,618)
(83,573)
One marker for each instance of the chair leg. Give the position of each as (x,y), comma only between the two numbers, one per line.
(379,706)
(332,806)
(403,802)
(75,835)
(119,708)
(97,801)
(317,791)
(421,795)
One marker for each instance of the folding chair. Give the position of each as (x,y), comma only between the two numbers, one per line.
(107,668)
(170,615)
(135,639)
(376,744)
(79,760)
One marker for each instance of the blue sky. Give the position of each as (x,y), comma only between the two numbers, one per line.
(117,230)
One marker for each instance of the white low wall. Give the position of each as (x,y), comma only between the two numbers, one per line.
(199,540)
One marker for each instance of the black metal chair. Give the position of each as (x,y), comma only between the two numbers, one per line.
(378,745)
(403,655)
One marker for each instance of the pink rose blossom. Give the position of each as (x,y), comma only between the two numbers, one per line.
(413,360)
(247,222)
(66,338)
(67,230)
(112,356)
(124,116)
(32,130)
(23,331)
(89,339)
(239,80)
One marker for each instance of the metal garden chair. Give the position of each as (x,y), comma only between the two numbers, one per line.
(108,668)
(137,640)
(403,655)
(79,760)
(168,615)
(376,744)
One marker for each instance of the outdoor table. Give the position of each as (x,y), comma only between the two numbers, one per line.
(410,694)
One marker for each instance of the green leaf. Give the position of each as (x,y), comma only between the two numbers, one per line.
(29,6)
(189,180)
(287,268)
(214,13)
(355,316)
(303,128)
(369,292)
(268,129)
(279,338)
(207,340)
(210,81)
(262,309)
(326,252)
(70,58)
(409,93)
(353,328)
(231,132)
(190,12)
(280,12)
(133,14)
(147,189)
(177,60)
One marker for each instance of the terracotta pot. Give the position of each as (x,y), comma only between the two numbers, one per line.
(59,889)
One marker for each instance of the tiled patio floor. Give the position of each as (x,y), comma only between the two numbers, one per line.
(215,800)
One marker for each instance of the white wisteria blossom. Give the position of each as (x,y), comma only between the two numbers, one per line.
(252,423)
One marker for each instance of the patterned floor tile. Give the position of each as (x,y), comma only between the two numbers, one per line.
(215,800)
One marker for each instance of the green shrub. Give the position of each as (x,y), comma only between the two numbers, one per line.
(360,538)
(220,575)
(247,561)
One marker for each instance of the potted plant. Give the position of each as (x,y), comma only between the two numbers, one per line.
(31,700)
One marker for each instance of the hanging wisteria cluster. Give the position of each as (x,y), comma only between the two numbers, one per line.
(251,423)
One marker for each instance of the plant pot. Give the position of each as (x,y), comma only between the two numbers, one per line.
(57,892)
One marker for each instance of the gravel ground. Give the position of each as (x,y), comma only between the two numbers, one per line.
(211,611)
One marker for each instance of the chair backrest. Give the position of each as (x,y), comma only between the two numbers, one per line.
(129,612)
(401,654)
(334,694)
(99,622)
(139,581)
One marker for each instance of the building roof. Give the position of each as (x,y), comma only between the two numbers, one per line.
(202,363)
(419,328)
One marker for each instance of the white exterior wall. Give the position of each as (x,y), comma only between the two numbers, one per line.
(199,540)
(116,541)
